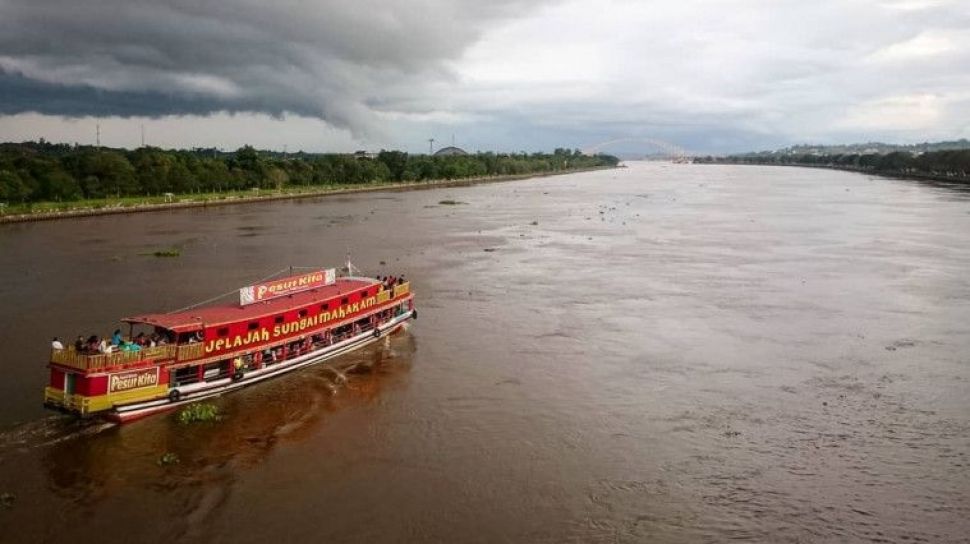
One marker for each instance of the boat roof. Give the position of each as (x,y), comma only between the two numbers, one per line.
(220,314)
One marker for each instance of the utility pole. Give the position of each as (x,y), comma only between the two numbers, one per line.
(98,135)
(430,145)
(143,134)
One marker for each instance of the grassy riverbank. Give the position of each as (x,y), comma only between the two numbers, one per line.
(40,211)
(40,180)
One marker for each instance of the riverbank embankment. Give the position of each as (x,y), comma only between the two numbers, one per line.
(150,204)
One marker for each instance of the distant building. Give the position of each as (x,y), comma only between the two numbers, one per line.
(450,151)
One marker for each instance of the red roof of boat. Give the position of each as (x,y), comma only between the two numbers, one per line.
(221,314)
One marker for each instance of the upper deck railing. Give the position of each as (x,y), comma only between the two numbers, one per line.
(190,351)
(402,289)
(98,361)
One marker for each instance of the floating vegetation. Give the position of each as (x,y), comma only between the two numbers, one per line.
(170,252)
(7,499)
(451,202)
(195,413)
(489,249)
(168,458)
(534,223)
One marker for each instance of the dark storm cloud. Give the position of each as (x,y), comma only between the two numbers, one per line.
(22,94)
(719,75)
(323,59)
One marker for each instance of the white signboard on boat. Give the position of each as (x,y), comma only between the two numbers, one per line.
(286,286)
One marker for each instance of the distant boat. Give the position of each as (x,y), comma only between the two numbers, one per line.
(182,357)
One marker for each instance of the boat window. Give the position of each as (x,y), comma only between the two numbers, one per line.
(216,371)
(184,376)
(253,325)
(344,300)
(279,319)
(302,313)
(223,331)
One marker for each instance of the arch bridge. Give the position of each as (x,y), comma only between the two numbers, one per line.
(673,150)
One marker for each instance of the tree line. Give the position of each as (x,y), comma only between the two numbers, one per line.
(949,164)
(42,171)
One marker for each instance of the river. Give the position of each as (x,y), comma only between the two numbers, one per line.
(669,353)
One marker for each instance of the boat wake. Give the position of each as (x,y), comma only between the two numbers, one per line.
(48,431)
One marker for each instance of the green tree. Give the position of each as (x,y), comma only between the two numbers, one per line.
(12,187)
(247,158)
(396,162)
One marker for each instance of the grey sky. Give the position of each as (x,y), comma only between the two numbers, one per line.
(708,75)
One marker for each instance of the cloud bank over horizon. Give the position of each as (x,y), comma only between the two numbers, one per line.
(707,75)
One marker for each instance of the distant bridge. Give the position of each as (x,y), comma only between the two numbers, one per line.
(673,150)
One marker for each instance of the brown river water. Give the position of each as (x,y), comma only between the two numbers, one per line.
(661,353)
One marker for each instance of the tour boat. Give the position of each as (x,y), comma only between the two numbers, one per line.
(181,357)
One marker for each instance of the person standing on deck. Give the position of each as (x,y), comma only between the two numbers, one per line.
(56,343)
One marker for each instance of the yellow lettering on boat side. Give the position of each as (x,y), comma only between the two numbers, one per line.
(265,334)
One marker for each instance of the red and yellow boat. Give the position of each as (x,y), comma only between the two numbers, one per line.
(181,357)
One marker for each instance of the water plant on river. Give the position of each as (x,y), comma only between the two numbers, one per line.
(171,252)
(168,458)
(199,412)
(7,499)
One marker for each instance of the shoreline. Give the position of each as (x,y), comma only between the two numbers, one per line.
(230,199)
(914,176)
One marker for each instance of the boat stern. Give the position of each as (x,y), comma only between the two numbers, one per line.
(85,385)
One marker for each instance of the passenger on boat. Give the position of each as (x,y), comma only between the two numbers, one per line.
(129,346)
(141,339)
(79,344)
(102,346)
(92,345)
(116,338)
(56,343)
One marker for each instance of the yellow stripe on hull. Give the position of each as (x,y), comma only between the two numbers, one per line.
(84,405)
